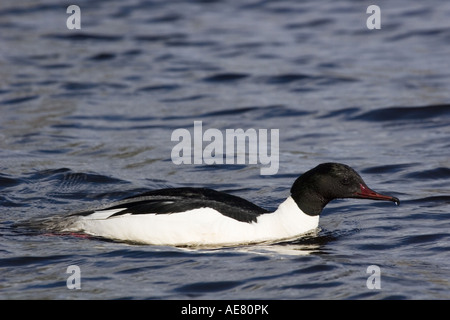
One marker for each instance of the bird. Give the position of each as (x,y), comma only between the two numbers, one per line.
(203,217)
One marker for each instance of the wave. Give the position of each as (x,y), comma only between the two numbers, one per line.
(405,113)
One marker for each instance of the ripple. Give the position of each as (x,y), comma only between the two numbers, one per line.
(74,86)
(56,66)
(309,286)
(231,111)
(85,36)
(225,77)
(161,37)
(405,113)
(167,18)
(425,34)
(207,287)
(19,100)
(17,11)
(390,168)
(316,269)
(162,87)
(7,181)
(259,112)
(436,200)
(346,113)
(32,260)
(194,97)
(67,184)
(434,174)
(181,43)
(287,78)
(103,56)
(147,254)
(319,22)
(433,238)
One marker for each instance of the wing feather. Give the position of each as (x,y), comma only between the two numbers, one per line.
(174,200)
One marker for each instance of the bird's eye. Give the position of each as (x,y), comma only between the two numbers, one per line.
(345,181)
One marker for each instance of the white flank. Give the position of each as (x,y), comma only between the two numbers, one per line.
(198,227)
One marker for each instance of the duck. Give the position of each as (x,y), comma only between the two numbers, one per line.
(193,217)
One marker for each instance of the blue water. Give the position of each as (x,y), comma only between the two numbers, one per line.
(87,117)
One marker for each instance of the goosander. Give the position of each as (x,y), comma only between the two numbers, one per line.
(205,217)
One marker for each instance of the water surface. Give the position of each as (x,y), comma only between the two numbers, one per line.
(87,117)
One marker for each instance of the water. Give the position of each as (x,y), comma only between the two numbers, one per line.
(87,117)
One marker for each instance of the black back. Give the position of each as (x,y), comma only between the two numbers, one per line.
(173,200)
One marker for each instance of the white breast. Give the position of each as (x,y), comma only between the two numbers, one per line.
(198,227)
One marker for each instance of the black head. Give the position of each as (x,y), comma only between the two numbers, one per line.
(328,181)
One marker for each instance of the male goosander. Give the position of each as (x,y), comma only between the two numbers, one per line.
(204,217)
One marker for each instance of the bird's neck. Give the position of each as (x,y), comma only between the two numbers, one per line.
(310,202)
